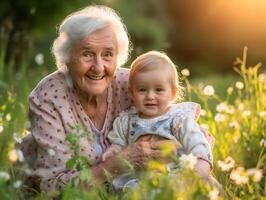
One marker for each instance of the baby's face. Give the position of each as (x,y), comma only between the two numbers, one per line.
(152,93)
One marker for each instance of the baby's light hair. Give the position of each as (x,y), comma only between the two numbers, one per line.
(153,60)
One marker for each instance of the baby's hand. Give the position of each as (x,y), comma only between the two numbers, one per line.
(111,151)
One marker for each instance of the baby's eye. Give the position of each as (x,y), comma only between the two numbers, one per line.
(159,89)
(141,89)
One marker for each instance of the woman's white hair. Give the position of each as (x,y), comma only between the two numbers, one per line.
(80,24)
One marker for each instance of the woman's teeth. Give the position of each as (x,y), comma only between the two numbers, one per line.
(95,77)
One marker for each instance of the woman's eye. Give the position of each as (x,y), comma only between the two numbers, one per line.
(88,54)
(108,55)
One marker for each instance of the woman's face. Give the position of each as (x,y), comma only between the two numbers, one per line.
(93,62)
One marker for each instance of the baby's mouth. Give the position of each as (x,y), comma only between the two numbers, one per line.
(150,104)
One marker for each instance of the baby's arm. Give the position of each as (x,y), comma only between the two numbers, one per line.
(118,136)
(111,151)
(194,141)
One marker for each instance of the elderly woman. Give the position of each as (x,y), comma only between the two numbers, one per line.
(90,89)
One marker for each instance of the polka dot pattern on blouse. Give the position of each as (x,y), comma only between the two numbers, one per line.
(53,109)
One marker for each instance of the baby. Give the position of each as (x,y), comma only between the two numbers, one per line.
(154,86)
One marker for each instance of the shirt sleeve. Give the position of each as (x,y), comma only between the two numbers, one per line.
(193,140)
(118,135)
(53,151)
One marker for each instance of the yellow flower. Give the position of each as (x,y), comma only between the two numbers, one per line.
(155,165)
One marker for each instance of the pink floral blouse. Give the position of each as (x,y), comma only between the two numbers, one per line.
(53,106)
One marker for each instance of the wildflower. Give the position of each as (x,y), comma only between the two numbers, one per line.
(204,126)
(233,124)
(208,90)
(239,85)
(155,165)
(203,112)
(246,113)
(51,152)
(15,154)
(39,59)
(27,124)
(219,117)
(230,90)
(1,127)
(239,176)
(261,77)
(8,117)
(17,184)
(4,176)
(17,138)
(188,161)
(227,164)
(25,132)
(230,110)
(263,143)
(222,107)
(213,194)
(255,173)
(262,114)
(236,137)
(240,106)
(185,72)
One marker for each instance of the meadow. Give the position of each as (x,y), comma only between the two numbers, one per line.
(235,116)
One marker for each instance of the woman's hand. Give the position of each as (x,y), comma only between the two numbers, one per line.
(144,149)
(137,154)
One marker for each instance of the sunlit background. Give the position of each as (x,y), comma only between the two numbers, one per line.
(204,36)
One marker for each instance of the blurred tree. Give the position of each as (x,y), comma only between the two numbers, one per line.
(208,35)
(146,23)
(21,22)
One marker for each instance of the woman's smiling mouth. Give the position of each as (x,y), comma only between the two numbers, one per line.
(95,77)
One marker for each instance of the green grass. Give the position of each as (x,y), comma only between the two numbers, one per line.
(238,125)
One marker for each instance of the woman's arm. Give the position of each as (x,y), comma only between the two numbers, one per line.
(138,154)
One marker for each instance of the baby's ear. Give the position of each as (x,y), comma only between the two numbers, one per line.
(174,93)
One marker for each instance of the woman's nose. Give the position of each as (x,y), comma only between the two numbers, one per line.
(98,64)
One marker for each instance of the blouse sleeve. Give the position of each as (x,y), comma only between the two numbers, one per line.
(53,151)
(193,140)
(118,135)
